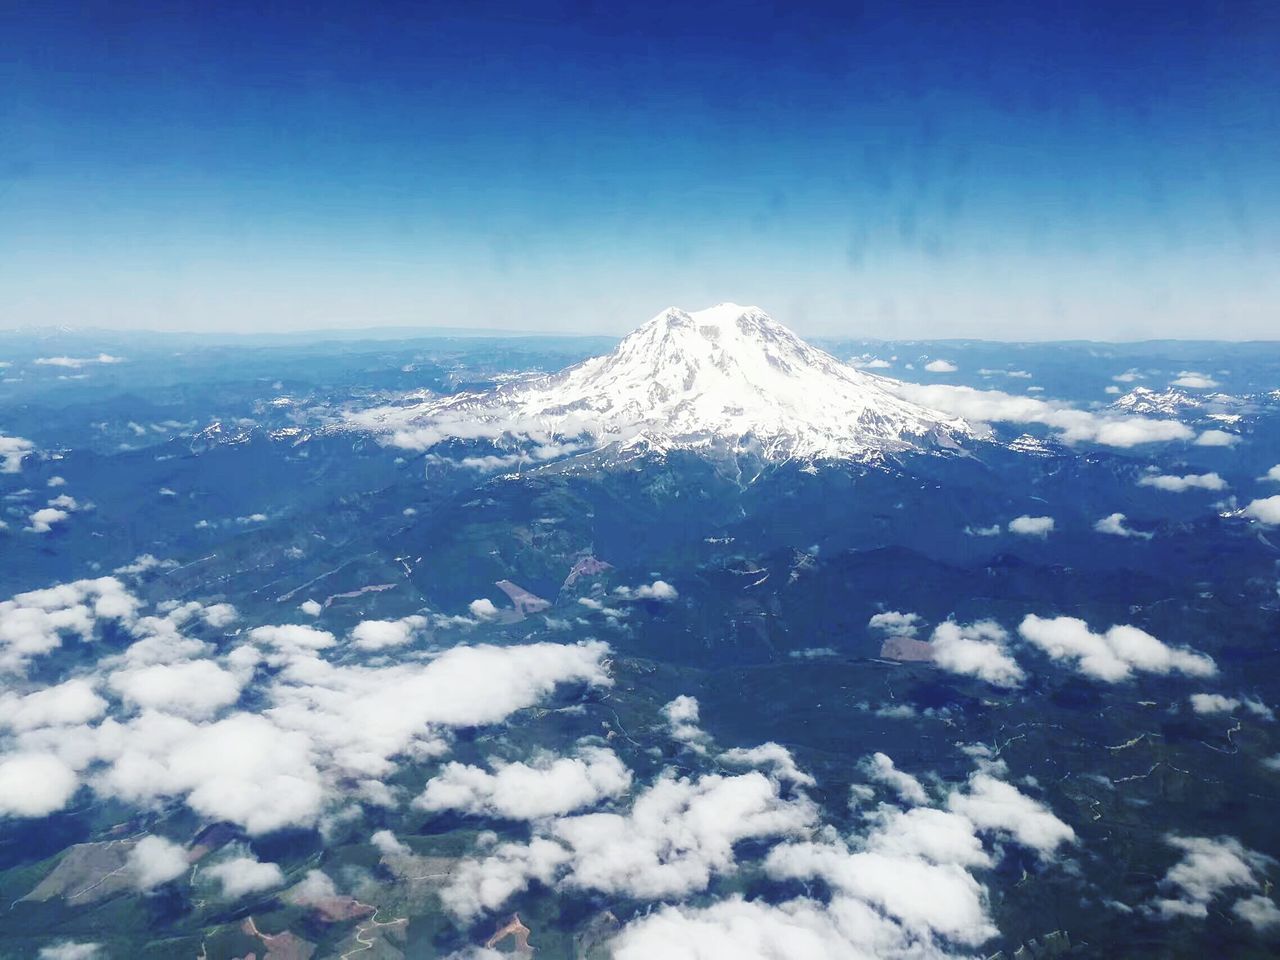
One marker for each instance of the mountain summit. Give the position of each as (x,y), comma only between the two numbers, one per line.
(726,379)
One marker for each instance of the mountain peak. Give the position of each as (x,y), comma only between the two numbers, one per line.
(726,378)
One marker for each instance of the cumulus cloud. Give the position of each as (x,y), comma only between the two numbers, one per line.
(1194,381)
(1114,524)
(991,531)
(1273,474)
(12,451)
(1026,526)
(34,623)
(682,715)
(1217,438)
(1074,426)
(941,366)
(154,861)
(895,624)
(328,723)
(75,363)
(311,608)
(480,885)
(547,786)
(45,519)
(322,725)
(196,689)
(34,785)
(380,634)
(658,590)
(70,703)
(145,563)
(907,882)
(292,638)
(976,650)
(679,833)
(483,609)
(1212,703)
(773,757)
(244,875)
(880,768)
(1259,911)
(1191,481)
(70,950)
(1264,511)
(388,845)
(1112,656)
(1209,867)
(999,807)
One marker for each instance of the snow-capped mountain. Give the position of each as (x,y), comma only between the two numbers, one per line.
(727,379)
(1145,401)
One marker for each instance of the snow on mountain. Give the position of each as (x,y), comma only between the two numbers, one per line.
(727,379)
(1145,401)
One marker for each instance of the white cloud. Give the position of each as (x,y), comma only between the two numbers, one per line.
(1217,438)
(44,519)
(844,929)
(1273,474)
(328,724)
(1114,525)
(976,650)
(245,875)
(70,703)
(548,786)
(1265,511)
(12,450)
(243,768)
(894,623)
(1026,526)
(658,590)
(1206,703)
(682,719)
(1001,808)
(311,608)
(75,363)
(1075,426)
(486,884)
(1259,911)
(678,834)
(880,767)
(145,563)
(773,757)
(292,638)
(70,950)
(1129,376)
(195,689)
(1191,481)
(991,531)
(941,366)
(1194,381)
(380,634)
(1111,389)
(483,609)
(34,623)
(34,785)
(1112,656)
(1212,703)
(1209,867)
(388,845)
(155,860)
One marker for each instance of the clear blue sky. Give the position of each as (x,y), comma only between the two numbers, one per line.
(1028,170)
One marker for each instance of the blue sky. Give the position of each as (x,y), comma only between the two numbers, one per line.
(1011,170)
